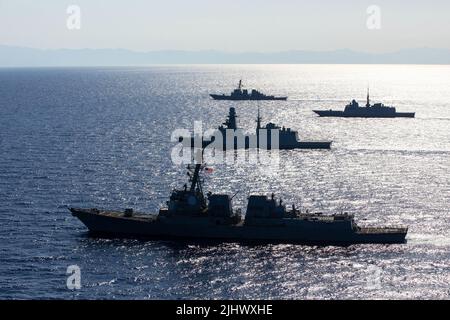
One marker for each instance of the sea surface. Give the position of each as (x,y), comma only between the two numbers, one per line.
(100,137)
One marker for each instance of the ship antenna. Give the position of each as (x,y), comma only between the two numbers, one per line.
(195,178)
(234,195)
(258,120)
(368,97)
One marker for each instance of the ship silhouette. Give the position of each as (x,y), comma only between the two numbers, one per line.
(243,94)
(269,136)
(190,214)
(354,110)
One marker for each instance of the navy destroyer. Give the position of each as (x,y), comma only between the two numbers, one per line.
(377,110)
(190,214)
(263,137)
(243,94)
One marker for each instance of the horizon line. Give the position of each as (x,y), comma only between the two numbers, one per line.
(16,56)
(228,51)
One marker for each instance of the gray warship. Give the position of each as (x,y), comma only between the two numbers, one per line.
(377,110)
(262,139)
(243,94)
(192,215)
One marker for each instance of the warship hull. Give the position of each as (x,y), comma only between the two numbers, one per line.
(331,113)
(307,145)
(246,98)
(311,145)
(116,225)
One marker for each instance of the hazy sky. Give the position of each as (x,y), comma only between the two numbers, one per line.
(231,25)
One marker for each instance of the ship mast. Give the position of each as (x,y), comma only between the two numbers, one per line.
(196,183)
(240,84)
(258,121)
(368,98)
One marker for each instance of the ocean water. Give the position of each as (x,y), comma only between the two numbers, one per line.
(100,137)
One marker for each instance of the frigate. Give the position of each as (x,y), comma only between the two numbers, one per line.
(269,136)
(354,110)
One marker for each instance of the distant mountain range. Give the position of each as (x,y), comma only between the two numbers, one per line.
(28,57)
